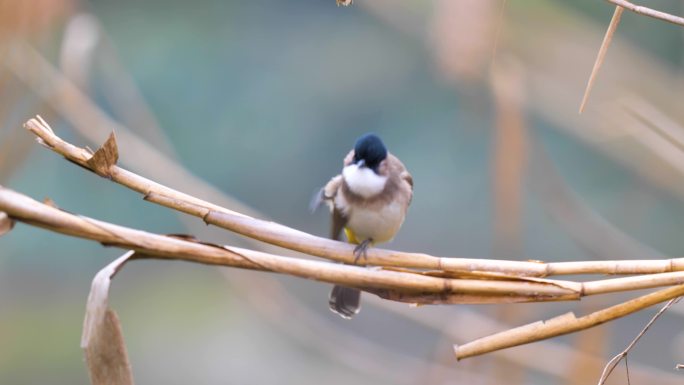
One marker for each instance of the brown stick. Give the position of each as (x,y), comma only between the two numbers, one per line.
(601,54)
(405,285)
(284,236)
(394,284)
(563,324)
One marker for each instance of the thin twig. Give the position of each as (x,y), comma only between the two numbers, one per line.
(641,10)
(601,55)
(610,366)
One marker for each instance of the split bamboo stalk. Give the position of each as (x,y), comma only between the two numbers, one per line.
(405,285)
(395,284)
(289,238)
(612,27)
(564,324)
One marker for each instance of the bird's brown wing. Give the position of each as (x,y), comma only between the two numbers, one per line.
(406,176)
(337,224)
(398,168)
(328,194)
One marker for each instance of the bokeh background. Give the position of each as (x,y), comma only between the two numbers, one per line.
(253,104)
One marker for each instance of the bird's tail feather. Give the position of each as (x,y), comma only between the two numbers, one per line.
(345,301)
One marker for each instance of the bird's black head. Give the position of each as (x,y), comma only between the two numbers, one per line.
(369,149)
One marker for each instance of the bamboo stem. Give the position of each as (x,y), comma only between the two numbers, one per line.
(405,285)
(563,324)
(411,285)
(289,238)
(601,55)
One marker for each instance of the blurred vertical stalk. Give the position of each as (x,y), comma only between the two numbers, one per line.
(592,343)
(509,157)
(464,35)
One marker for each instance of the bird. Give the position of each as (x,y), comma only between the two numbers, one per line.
(368,200)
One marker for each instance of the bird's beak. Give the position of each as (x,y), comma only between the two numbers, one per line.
(361,163)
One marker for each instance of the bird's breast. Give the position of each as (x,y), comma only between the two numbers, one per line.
(381,223)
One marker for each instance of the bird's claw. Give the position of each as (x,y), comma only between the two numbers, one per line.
(361,250)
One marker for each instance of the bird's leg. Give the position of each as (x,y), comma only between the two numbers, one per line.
(361,249)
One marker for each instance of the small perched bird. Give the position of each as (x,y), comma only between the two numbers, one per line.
(369,202)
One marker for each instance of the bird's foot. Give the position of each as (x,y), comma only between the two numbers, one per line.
(361,250)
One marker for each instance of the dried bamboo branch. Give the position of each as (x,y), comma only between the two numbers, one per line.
(601,55)
(289,238)
(641,10)
(564,324)
(405,285)
(554,361)
(22,208)
(400,285)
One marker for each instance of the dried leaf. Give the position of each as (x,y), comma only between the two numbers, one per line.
(344,3)
(105,157)
(6,223)
(102,340)
(48,201)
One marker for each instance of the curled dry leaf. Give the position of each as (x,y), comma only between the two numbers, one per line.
(344,2)
(105,157)
(102,340)
(6,223)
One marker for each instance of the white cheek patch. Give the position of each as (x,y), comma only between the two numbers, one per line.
(363,181)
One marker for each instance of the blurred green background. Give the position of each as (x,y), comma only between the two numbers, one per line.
(262,100)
